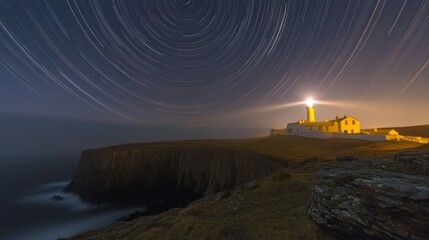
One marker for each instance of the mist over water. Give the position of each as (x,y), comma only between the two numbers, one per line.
(29,137)
(38,156)
(37,216)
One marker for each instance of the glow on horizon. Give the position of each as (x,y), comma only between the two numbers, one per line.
(309,102)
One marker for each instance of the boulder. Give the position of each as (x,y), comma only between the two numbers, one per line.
(57,198)
(346,158)
(374,198)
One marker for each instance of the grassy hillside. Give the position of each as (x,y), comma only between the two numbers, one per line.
(422,130)
(273,208)
(299,148)
(287,148)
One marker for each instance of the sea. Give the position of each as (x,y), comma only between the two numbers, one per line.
(38,157)
(29,212)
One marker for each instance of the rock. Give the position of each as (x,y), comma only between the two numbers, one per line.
(252,184)
(377,199)
(346,158)
(131,216)
(414,163)
(138,213)
(166,171)
(57,198)
(223,195)
(152,209)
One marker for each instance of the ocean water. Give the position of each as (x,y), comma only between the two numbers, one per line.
(38,156)
(36,216)
(28,212)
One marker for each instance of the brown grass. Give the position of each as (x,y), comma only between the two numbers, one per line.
(275,209)
(284,147)
(299,148)
(422,130)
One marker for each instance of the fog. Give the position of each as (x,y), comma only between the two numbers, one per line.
(37,151)
(25,137)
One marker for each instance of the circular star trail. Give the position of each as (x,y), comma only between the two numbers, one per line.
(178,58)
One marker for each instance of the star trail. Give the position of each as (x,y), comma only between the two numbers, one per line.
(198,60)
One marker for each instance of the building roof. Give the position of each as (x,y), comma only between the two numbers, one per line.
(316,124)
(313,124)
(344,118)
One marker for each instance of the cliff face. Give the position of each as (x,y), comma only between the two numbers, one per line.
(111,174)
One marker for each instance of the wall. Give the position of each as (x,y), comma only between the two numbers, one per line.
(372,138)
(334,128)
(318,135)
(347,125)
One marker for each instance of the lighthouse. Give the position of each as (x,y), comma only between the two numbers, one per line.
(346,125)
(310,110)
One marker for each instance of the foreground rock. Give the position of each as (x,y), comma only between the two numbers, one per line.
(166,171)
(380,199)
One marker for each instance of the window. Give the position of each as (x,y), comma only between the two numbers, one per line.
(345,131)
(353,122)
(327,129)
(346,122)
(353,131)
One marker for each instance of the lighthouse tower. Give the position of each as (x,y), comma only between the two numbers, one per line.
(310,110)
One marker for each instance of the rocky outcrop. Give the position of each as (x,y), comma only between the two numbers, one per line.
(377,199)
(147,171)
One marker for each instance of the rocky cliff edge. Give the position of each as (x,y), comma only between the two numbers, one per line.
(150,172)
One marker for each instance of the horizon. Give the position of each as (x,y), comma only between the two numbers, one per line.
(68,138)
(225,74)
(59,61)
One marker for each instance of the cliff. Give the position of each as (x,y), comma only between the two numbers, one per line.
(150,171)
(274,207)
(270,208)
(191,169)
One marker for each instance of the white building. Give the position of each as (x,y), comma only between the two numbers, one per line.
(345,127)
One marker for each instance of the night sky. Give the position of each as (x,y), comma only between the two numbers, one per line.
(214,63)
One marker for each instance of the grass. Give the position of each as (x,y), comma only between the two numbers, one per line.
(299,148)
(276,208)
(422,130)
(289,148)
